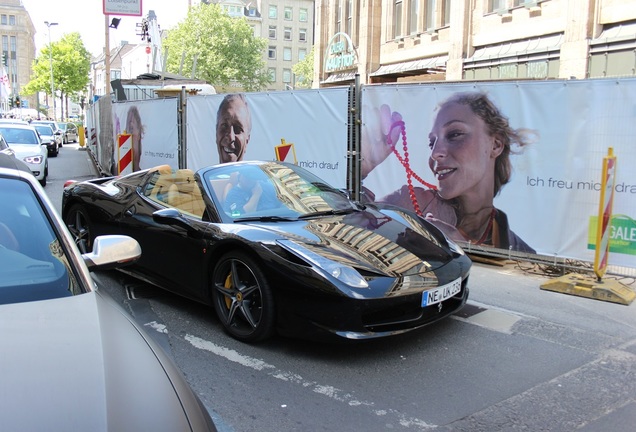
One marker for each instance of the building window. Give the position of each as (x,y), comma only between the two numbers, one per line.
(272,32)
(287,53)
(430,23)
(288,34)
(339,17)
(302,35)
(288,15)
(287,76)
(349,28)
(272,74)
(397,18)
(233,11)
(3,19)
(446,13)
(496,5)
(252,11)
(11,19)
(273,12)
(302,53)
(302,15)
(414,15)
(271,52)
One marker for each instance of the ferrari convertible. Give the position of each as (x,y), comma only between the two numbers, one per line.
(273,248)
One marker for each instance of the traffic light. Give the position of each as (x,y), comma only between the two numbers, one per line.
(17,101)
(11,103)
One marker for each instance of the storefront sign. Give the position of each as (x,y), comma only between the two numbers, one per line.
(341,54)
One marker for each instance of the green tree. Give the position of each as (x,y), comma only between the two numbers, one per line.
(224,49)
(304,70)
(71,67)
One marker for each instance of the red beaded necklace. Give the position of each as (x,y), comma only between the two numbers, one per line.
(410,174)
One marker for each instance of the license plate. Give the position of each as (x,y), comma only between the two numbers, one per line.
(442,293)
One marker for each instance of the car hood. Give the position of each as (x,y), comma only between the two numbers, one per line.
(390,241)
(77,363)
(26,149)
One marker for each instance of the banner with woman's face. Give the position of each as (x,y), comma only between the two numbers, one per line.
(558,134)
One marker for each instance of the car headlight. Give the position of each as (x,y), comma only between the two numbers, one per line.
(454,246)
(342,272)
(34,159)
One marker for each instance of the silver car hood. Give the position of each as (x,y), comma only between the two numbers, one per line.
(78,363)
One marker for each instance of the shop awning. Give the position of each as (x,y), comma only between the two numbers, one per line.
(616,38)
(535,48)
(340,77)
(437,63)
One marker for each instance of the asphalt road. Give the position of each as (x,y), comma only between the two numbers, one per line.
(516,358)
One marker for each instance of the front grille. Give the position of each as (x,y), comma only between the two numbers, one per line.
(406,312)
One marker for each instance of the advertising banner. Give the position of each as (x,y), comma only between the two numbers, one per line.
(306,127)
(517,165)
(153,126)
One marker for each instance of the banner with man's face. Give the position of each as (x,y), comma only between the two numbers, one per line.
(306,127)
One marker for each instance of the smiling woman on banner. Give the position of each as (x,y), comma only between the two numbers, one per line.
(470,142)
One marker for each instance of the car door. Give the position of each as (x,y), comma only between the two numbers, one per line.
(172,257)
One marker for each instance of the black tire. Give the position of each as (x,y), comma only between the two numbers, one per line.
(242,298)
(78,223)
(43,181)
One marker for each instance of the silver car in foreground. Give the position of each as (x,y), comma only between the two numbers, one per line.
(72,359)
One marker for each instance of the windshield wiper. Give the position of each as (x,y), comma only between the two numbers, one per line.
(327,213)
(265,219)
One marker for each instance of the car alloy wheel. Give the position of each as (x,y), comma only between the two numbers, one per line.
(79,225)
(242,298)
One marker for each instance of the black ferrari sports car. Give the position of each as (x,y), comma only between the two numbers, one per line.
(274,248)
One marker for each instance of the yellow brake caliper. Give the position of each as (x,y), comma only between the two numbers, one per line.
(228,285)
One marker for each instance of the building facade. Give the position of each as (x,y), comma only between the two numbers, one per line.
(18,50)
(452,40)
(288,27)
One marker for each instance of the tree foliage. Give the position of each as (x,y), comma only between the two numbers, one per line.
(224,48)
(71,67)
(304,71)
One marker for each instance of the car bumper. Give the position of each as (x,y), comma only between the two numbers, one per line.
(37,170)
(320,316)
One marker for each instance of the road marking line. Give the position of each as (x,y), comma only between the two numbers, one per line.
(326,390)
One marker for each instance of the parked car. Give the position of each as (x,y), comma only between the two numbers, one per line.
(28,147)
(69,132)
(59,133)
(5,149)
(308,262)
(13,121)
(48,137)
(72,358)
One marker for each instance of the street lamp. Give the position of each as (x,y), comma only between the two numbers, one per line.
(48,24)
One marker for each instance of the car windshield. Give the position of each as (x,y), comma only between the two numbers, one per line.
(273,192)
(33,263)
(19,136)
(44,130)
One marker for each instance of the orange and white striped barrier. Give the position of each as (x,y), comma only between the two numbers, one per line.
(124,153)
(601,254)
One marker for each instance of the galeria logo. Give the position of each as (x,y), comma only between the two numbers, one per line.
(622,234)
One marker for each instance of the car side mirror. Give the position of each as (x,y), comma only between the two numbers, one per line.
(173,217)
(112,251)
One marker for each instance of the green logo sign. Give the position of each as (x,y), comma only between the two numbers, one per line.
(622,234)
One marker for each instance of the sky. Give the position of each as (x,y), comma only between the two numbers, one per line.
(87,18)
